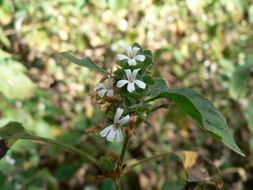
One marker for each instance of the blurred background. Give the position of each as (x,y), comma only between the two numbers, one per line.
(202,44)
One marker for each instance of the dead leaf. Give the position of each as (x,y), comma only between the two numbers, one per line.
(197,170)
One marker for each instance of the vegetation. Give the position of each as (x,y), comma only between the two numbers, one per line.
(200,48)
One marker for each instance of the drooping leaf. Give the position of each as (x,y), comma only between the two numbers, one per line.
(86,62)
(199,108)
(238,83)
(14,84)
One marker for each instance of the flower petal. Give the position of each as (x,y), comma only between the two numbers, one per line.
(111,135)
(140,58)
(129,51)
(119,135)
(110,81)
(121,57)
(135,50)
(135,71)
(102,92)
(109,93)
(124,120)
(100,85)
(132,62)
(140,84)
(121,83)
(128,74)
(106,130)
(130,87)
(118,115)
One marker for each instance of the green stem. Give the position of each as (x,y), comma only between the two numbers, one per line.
(117,184)
(123,151)
(63,145)
(146,160)
(150,99)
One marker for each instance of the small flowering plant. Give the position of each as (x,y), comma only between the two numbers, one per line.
(128,94)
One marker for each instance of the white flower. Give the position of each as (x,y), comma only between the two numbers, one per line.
(131,80)
(114,131)
(132,56)
(106,89)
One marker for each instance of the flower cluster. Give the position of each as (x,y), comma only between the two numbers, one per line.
(110,86)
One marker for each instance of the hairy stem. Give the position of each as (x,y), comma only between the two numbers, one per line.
(163,106)
(63,145)
(123,151)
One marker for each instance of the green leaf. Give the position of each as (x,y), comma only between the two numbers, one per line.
(14,84)
(238,83)
(9,130)
(86,62)
(198,107)
(148,80)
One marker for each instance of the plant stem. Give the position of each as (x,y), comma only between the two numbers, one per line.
(117,184)
(163,106)
(150,100)
(146,160)
(123,151)
(63,145)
